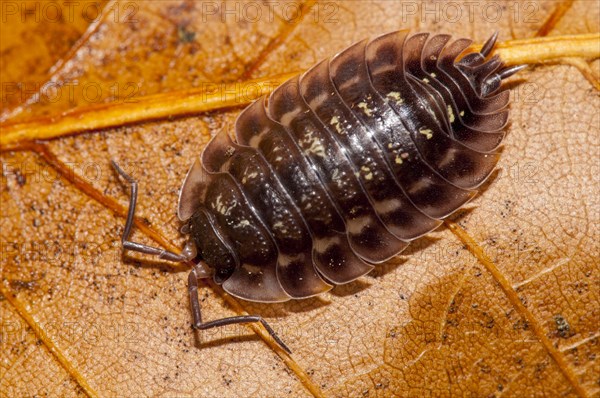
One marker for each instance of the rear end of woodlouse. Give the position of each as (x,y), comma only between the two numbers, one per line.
(341,167)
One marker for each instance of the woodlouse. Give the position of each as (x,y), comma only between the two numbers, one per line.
(339,168)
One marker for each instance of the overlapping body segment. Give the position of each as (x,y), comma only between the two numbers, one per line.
(341,167)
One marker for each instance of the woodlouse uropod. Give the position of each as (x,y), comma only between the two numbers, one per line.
(339,168)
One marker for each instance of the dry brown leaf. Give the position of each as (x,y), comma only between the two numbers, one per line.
(36,36)
(517,318)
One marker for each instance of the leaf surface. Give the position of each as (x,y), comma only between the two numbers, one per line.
(442,319)
(36,37)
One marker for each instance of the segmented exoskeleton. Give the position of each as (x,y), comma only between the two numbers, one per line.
(341,167)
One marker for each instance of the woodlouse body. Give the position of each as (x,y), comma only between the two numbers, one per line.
(341,167)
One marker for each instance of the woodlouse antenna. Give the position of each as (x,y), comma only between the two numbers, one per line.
(139,247)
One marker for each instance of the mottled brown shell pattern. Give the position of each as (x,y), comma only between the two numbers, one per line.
(341,167)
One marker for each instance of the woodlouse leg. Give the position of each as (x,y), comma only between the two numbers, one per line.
(198,324)
(139,247)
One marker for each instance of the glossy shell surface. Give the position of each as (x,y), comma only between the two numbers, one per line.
(341,167)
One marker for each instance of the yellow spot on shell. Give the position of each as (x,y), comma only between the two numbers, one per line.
(279,225)
(368,173)
(395,96)
(249,177)
(462,113)
(313,145)
(230,151)
(426,80)
(335,121)
(398,160)
(450,114)
(222,207)
(426,132)
(335,174)
(365,107)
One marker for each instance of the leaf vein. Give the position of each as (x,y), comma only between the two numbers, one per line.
(513,297)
